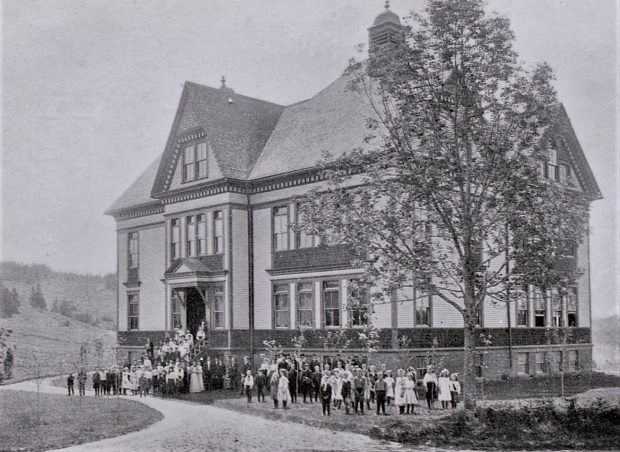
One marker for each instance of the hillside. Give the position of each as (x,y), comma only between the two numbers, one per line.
(606,339)
(50,343)
(92,298)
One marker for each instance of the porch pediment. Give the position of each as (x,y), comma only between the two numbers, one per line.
(205,266)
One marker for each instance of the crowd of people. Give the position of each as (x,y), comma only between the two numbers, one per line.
(348,384)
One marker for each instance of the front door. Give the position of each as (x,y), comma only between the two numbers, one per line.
(195,310)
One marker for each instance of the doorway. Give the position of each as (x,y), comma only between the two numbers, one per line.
(195,310)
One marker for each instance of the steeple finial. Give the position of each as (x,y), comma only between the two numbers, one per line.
(387,4)
(223,80)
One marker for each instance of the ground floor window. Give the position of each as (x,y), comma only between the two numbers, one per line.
(556,362)
(218,306)
(331,303)
(522,308)
(281,313)
(539,308)
(305,304)
(541,363)
(177,322)
(133,301)
(423,311)
(572,363)
(523,363)
(571,306)
(556,309)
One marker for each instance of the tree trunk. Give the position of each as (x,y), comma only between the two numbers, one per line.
(469,376)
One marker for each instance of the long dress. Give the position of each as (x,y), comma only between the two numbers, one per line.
(194,380)
(274,384)
(126,381)
(338,389)
(410,397)
(443,388)
(283,393)
(389,384)
(201,377)
(399,399)
(134,381)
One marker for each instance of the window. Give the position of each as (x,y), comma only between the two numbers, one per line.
(565,173)
(572,362)
(479,363)
(176,310)
(132,311)
(556,308)
(280,228)
(281,305)
(195,164)
(201,234)
(190,229)
(359,306)
(541,362)
(218,232)
(571,306)
(132,258)
(556,362)
(421,363)
(522,310)
(305,304)
(523,363)
(175,238)
(552,165)
(218,306)
(303,240)
(331,303)
(423,311)
(539,308)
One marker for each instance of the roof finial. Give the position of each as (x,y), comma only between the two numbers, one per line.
(387,4)
(223,80)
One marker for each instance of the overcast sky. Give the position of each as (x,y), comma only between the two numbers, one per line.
(90,88)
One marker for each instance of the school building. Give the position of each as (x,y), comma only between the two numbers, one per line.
(204,234)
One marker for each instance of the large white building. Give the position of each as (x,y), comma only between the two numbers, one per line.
(204,234)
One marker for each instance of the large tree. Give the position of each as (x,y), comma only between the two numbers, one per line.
(448,195)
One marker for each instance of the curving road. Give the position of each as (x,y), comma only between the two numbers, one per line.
(192,427)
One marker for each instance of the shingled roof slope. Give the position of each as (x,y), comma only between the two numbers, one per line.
(237,127)
(334,120)
(138,193)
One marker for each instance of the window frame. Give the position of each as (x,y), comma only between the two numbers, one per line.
(525,355)
(175,314)
(275,297)
(201,242)
(193,168)
(305,292)
(538,297)
(218,240)
(191,249)
(542,366)
(522,299)
(324,308)
(218,316)
(131,262)
(175,253)
(366,308)
(574,291)
(285,234)
(572,365)
(425,299)
(133,315)
(314,239)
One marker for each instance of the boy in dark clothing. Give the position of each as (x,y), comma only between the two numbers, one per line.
(96,382)
(70,384)
(306,383)
(82,382)
(359,386)
(292,384)
(326,394)
(261,382)
(380,390)
(316,383)
(346,393)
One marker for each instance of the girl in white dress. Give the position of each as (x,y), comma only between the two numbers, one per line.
(134,378)
(201,376)
(455,389)
(284,395)
(126,383)
(194,379)
(399,391)
(410,397)
(389,384)
(443,389)
(337,388)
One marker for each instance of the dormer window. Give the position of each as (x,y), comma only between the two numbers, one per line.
(195,161)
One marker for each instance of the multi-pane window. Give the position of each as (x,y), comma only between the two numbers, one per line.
(305,304)
(133,311)
(541,362)
(571,361)
(523,363)
(539,308)
(359,309)
(218,306)
(571,306)
(175,238)
(190,233)
(522,308)
(565,173)
(218,232)
(556,308)
(201,234)
(195,164)
(552,165)
(280,228)
(281,305)
(132,258)
(556,361)
(176,311)
(302,239)
(331,303)
(423,311)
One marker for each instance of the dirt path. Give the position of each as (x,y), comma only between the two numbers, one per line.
(191,427)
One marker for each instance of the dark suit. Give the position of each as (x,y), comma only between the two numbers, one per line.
(326,397)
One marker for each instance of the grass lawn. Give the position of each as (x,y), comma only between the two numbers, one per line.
(57,421)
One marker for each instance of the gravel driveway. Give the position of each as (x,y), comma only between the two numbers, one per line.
(191,427)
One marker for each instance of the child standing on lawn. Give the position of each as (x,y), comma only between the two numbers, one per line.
(261,382)
(248,384)
(430,382)
(273,383)
(455,390)
(70,385)
(443,388)
(380,391)
(284,395)
(389,384)
(410,397)
(326,394)
(399,391)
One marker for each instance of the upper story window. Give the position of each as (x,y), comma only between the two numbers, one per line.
(218,306)
(539,308)
(571,306)
(305,304)
(201,235)
(281,313)
(175,238)
(422,310)
(331,303)
(556,308)
(132,311)
(302,239)
(552,165)
(218,232)
(177,321)
(132,256)
(522,308)
(565,173)
(360,307)
(195,162)
(280,228)
(190,226)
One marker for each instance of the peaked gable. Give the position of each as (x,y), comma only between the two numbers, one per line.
(236,127)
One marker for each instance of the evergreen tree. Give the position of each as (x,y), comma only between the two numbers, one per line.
(37,300)
(9,302)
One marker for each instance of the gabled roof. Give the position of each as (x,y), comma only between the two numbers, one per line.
(236,126)
(188,265)
(334,120)
(139,193)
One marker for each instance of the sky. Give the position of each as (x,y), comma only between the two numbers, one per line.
(90,88)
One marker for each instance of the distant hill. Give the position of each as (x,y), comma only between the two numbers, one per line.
(89,298)
(606,339)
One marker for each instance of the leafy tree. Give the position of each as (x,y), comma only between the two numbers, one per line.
(7,355)
(37,300)
(447,194)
